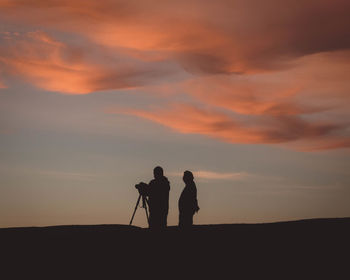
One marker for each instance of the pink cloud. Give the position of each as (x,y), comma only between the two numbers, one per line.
(305,107)
(213,123)
(314,83)
(204,36)
(56,66)
(272,72)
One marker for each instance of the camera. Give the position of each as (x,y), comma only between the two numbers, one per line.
(142,188)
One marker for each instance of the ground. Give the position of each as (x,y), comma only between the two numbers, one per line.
(306,249)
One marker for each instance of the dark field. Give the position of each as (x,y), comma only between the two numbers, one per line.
(307,249)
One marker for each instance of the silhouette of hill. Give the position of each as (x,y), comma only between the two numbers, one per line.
(305,249)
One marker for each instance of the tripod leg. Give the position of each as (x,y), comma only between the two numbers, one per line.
(145,203)
(133,215)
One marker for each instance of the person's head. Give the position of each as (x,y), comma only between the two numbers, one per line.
(188,177)
(158,172)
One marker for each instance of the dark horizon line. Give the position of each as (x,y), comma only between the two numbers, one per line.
(175,226)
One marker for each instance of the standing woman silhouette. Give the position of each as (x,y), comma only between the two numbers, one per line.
(188,204)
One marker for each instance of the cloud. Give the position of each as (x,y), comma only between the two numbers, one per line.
(304,107)
(314,84)
(55,66)
(204,36)
(186,119)
(212,175)
(269,72)
(219,175)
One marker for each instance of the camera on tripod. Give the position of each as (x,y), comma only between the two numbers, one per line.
(142,188)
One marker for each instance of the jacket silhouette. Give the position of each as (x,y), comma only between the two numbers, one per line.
(158,199)
(188,204)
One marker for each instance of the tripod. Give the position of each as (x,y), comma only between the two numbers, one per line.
(144,205)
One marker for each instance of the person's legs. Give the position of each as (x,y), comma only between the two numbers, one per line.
(163,220)
(190,219)
(151,221)
(181,219)
(185,219)
(154,221)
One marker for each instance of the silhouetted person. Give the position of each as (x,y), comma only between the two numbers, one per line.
(158,198)
(188,204)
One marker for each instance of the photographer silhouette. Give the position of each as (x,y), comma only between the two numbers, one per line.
(158,198)
(155,195)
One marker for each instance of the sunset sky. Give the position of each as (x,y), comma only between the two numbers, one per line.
(252,96)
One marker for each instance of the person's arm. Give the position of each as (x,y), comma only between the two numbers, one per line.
(148,188)
(196,207)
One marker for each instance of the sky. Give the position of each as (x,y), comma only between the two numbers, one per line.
(251,96)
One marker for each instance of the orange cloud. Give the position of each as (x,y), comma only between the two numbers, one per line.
(55,66)
(305,107)
(233,129)
(41,60)
(314,84)
(204,36)
(257,71)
